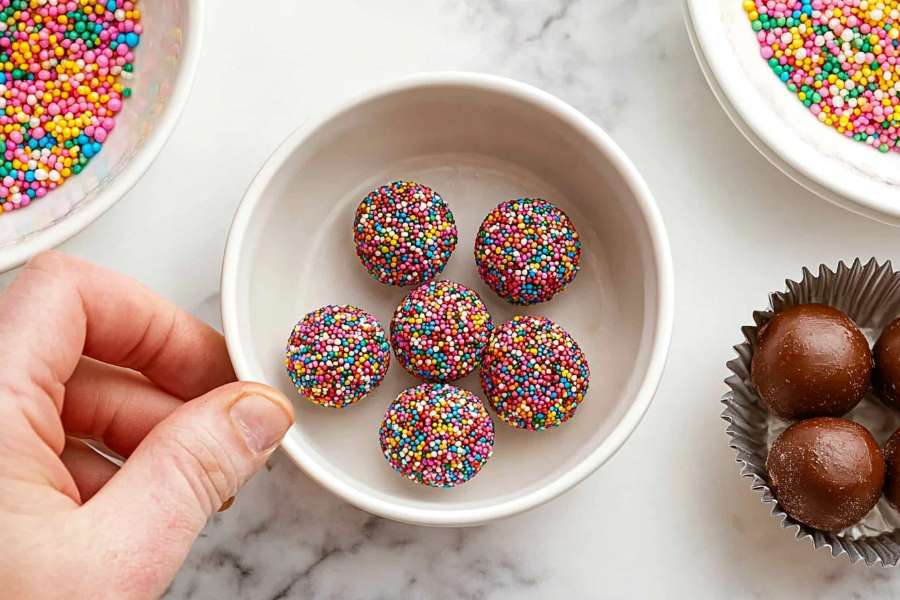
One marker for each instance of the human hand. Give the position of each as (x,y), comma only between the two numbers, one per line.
(86,353)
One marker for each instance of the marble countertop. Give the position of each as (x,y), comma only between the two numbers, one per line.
(667,516)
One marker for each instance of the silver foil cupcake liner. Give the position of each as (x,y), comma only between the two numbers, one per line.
(870,294)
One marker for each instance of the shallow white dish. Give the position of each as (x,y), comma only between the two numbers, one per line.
(165,63)
(477,140)
(840,170)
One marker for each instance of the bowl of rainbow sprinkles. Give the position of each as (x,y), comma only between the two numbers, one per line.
(89,91)
(814,85)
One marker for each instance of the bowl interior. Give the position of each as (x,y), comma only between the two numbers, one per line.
(861,178)
(477,147)
(158,63)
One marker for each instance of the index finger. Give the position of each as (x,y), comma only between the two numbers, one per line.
(60,308)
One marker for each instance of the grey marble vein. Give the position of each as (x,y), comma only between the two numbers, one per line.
(286,538)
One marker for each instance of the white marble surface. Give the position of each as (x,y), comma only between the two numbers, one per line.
(667,516)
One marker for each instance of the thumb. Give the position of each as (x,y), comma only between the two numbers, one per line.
(187,467)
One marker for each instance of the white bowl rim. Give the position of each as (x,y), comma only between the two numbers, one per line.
(768,140)
(83,216)
(663,317)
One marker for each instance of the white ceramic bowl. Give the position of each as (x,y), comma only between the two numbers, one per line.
(165,63)
(845,172)
(477,140)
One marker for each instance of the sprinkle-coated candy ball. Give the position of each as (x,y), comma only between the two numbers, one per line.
(404,233)
(437,435)
(336,355)
(440,330)
(839,58)
(527,250)
(534,374)
(64,71)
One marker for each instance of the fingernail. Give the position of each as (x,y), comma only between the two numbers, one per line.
(261,421)
(227,504)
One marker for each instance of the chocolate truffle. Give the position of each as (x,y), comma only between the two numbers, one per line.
(527,250)
(336,355)
(440,330)
(437,435)
(404,233)
(534,373)
(892,469)
(811,360)
(886,376)
(826,472)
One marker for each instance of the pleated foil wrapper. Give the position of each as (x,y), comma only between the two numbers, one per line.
(870,294)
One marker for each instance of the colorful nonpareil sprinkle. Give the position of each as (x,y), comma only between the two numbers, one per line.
(336,355)
(527,250)
(60,68)
(440,330)
(840,59)
(404,233)
(534,373)
(437,435)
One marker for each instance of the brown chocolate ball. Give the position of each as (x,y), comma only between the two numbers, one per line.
(811,360)
(892,469)
(826,472)
(886,376)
